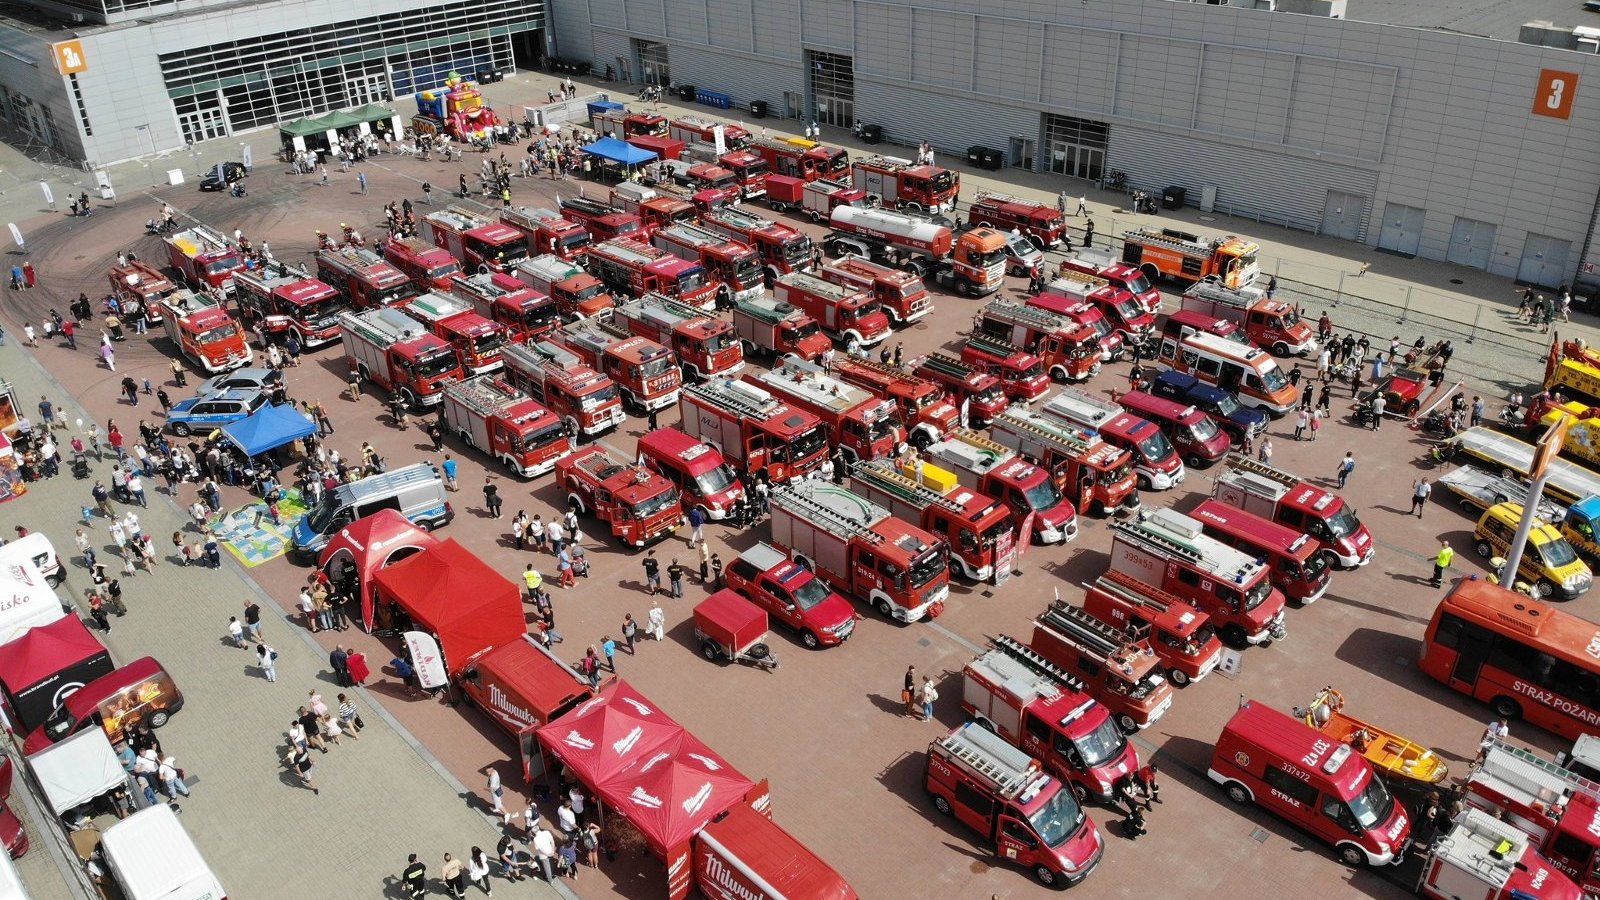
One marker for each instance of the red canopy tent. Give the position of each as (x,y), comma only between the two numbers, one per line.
(39,669)
(608,734)
(677,789)
(455,595)
(370,544)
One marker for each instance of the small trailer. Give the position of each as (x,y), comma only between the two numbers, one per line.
(731,628)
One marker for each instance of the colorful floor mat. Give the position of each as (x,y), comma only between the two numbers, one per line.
(251,535)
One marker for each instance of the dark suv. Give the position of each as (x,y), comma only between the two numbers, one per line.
(1233,418)
(222,175)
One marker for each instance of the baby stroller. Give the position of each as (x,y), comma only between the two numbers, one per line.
(80,467)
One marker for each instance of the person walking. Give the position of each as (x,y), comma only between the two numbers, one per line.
(657,620)
(630,630)
(716,572)
(652,574)
(339,661)
(564,567)
(556,535)
(1316,423)
(908,694)
(414,877)
(267,659)
(491,498)
(1346,466)
(478,871)
(306,769)
(1302,419)
(1441,562)
(675,576)
(455,876)
(449,469)
(697,521)
(236,632)
(544,851)
(252,616)
(361,179)
(497,794)
(927,696)
(1264,452)
(1420,491)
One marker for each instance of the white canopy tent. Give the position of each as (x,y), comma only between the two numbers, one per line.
(77,770)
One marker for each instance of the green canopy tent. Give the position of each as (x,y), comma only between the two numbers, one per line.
(372,112)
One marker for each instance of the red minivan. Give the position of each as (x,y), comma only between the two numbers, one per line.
(140,691)
(696,468)
(1196,435)
(1289,768)
(1296,564)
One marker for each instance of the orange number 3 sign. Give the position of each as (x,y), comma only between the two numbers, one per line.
(1554,95)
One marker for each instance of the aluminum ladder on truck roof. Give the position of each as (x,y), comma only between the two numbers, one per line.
(990,344)
(1526,777)
(660,301)
(626,250)
(1090,282)
(997,197)
(1032,316)
(887,163)
(1026,420)
(948,365)
(738,218)
(1036,663)
(987,755)
(745,399)
(1174,530)
(551,352)
(589,207)
(1264,472)
(834,506)
(1074,622)
(882,474)
(1136,592)
(455,217)
(1176,240)
(482,395)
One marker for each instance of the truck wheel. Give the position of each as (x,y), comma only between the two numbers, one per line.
(1234,636)
(710,650)
(1193,461)
(181,429)
(364,372)
(1144,483)
(920,440)
(748,349)
(1127,724)
(814,216)
(811,640)
(1059,374)
(1178,677)
(1151,273)
(943,806)
(576,503)
(1411,408)
(1045,874)
(1505,707)
(911,206)
(1352,856)
(159,718)
(1037,242)
(1237,792)
(882,604)
(424,524)
(1484,550)
(1280,349)
(837,248)
(408,397)
(985,224)
(1543,589)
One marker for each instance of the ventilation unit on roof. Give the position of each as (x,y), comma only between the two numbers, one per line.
(1588,39)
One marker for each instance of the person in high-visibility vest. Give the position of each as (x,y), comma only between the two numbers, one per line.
(1442,562)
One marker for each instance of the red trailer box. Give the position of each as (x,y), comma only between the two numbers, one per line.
(662,146)
(732,629)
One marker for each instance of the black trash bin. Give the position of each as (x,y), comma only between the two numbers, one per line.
(872,134)
(1173,197)
(993,159)
(975,155)
(758,109)
(685,91)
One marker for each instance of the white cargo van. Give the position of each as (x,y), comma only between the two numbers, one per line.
(414,491)
(153,858)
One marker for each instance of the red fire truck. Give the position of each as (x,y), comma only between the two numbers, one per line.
(927,414)
(1180,635)
(860,425)
(695,468)
(734,266)
(140,289)
(765,323)
(1040,709)
(647,372)
(623,124)
(578,294)
(1155,460)
(1043,225)
(477,340)
(1068,350)
(1557,808)
(781,248)
(1101,264)
(1484,856)
(696,176)
(1122,674)
(430,268)
(1169,550)
(695,130)
(846,314)
(806,163)
(1295,562)
(492,416)
(656,209)
(475,239)
(522,311)
(363,278)
(901,295)
(605,222)
(636,269)
(976,528)
(902,184)
(588,403)
(703,200)
(973,262)
(204,258)
(1188,258)
(204,332)
(1123,310)
(989,468)
(753,428)
(705,347)
(641,506)
(1281,497)
(977,393)
(863,551)
(1269,323)
(1096,475)
(548,231)
(1021,374)
(282,299)
(395,352)
(1026,816)
(749,169)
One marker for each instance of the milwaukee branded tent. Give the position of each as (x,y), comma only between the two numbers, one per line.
(456,596)
(676,789)
(615,730)
(369,544)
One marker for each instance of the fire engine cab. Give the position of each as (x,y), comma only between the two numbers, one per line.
(782,249)
(636,269)
(1122,674)
(1069,351)
(522,311)
(754,428)
(647,372)
(603,221)
(1098,476)
(393,350)
(474,239)
(861,425)
(587,402)
(548,231)
(806,163)
(927,414)
(204,332)
(1188,258)
(364,278)
(1030,492)
(1281,497)
(902,184)
(493,417)
(641,506)
(478,341)
(204,258)
(282,299)
(1181,636)
(972,262)
(902,295)
(429,268)
(1042,224)
(706,347)
(1021,374)
(976,392)
(977,528)
(735,267)
(993,788)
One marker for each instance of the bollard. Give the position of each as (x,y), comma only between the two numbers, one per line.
(1475,316)
(1405,309)
(1339,294)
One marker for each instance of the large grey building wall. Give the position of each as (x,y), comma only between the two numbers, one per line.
(1274,110)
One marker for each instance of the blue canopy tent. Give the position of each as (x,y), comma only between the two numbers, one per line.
(269,428)
(616,160)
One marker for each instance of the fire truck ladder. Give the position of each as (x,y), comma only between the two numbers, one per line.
(1141,531)
(839,520)
(1102,639)
(208,235)
(972,438)
(458,218)
(947,365)
(663,302)
(1252,466)
(886,163)
(998,197)
(1031,660)
(963,748)
(1045,429)
(738,218)
(481,396)
(561,356)
(1522,770)
(589,207)
(733,395)
(1031,316)
(1135,591)
(1181,241)
(889,372)
(1091,282)
(882,474)
(991,344)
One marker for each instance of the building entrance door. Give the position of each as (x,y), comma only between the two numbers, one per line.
(1544,261)
(1402,229)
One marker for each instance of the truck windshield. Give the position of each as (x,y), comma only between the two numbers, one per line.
(552,433)
(928,566)
(488,343)
(800,332)
(994,257)
(991,535)
(1271,378)
(658,366)
(224,264)
(716,342)
(810,594)
(573,241)
(1225,406)
(393,295)
(861,313)
(1099,324)
(1137,283)
(808,442)
(1128,308)
(1116,473)
(599,398)
(319,312)
(1058,819)
(1043,495)
(443,273)
(1104,743)
(1314,565)
(713,480)
(942,181)
(797,251)
(1374,805)
(883,426)
(218,335)
(1028,372)
(653,505)
(691,280)
(500,254)
(1290,317)
(1556,554)
(1203,429)
(1342,523)
(746,271)
(435,364)
(1258,594)
(321,518)
(1155,447)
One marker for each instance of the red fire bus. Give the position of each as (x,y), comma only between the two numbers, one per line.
(1526,659)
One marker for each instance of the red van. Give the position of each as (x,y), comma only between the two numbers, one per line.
(1154,459)
(1295,563)
(1291,769)
(696,468)
(140,691)
(1196,435)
